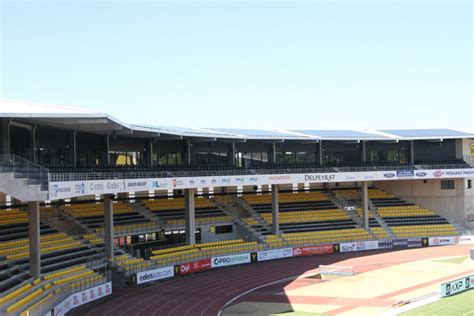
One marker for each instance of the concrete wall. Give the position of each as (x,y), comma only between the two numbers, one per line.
(208,236)
(456,205)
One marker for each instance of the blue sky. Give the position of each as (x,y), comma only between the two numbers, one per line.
(250,64)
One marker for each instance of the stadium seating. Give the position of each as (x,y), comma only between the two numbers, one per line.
(28,294)
(330,236)
(171,211)
(302,212)
(409,220)
(91,216)
(189,253)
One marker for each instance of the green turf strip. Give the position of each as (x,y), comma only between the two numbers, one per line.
(457,260)
(458,305)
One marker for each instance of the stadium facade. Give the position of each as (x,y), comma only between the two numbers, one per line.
(63,166)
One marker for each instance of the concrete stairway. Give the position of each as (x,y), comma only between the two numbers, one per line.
(263,227)
(380,220)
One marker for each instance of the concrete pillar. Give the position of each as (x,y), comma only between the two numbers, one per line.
(188,152)
(231,154)
(5,136)
(275,210)
(363,154)
(150,154)
(321,163)
(190,225)
(273,153)
(412,152)
(34,239)
(33,143)
(365,204)
(107,150)
(109,226)
(74,149)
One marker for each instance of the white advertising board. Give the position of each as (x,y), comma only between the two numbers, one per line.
(443,241)
(466,240)
(230,260)
(359,246)
(274,254)
(154,275)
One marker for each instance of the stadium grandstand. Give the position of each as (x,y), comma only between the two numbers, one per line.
(90,203)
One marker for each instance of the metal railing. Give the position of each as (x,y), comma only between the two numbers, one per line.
(59,176)
(23,168)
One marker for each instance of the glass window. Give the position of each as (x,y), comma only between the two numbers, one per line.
(300,157)
(447,185)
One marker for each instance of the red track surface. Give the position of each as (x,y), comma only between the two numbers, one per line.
(207,293)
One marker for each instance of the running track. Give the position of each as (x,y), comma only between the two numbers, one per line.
(207,293)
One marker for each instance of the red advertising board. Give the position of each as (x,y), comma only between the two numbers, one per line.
(195,266)
(313,250)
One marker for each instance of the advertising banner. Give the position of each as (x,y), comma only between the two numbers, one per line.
(348,247)
(231,260)
(407,243)
(274,254)
(457,286)
(385,244)
(443,241)
(466,240)
(400,243)
(313,250)
(154,275)
(359,246)
(405,173)
(68,189)
(83,297)
(372,245)
(195,266)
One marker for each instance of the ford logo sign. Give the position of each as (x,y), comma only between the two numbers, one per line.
(421,174)
(389,175)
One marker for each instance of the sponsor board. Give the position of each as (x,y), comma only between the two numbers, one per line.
(154,275)
(359,246)
(231,260)
(319,177)
(83,297)
(372,245)
(68,189)
(459,173)
(313,250)
(405,173)
(400,243)
(443,241)
(438,173)
(195,266)
(457,286)
(274,254)
(348,247)
(466,240)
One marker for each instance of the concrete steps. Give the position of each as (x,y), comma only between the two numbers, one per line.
(248,211)
(380,220)
(20,189)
